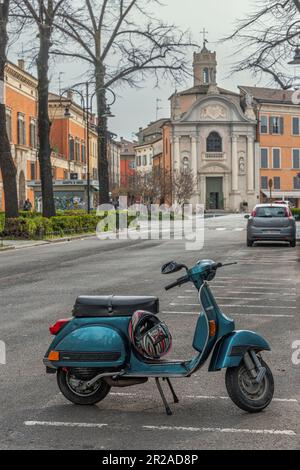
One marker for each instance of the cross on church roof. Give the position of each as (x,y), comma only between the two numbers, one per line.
(204,33)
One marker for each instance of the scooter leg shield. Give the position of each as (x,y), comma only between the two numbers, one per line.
(230,351)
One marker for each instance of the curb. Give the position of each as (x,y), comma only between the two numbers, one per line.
(61,240)
(7,248)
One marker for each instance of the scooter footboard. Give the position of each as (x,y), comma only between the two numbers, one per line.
(230,350)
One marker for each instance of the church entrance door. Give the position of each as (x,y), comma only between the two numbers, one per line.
(214,194)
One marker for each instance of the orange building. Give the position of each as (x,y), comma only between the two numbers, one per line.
(278,134)
(127,162)
(20,95)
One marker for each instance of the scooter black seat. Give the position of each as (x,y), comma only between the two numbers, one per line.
(113,306)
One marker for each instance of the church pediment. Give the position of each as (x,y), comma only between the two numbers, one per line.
(214,109)
(213,112)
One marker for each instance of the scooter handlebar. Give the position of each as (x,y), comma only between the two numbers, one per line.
(179,282)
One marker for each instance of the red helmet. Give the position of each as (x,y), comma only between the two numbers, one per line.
(150,336)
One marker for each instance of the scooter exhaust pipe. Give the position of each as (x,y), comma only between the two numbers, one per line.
(120,383)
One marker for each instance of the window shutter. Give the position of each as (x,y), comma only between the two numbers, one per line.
(271,125)
(19,131)
(296,126)
(281,125)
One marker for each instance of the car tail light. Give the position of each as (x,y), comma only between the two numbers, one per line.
(58,326)
(253,213)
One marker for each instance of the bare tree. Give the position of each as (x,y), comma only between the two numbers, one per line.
(122,42)
(265,40)
(7,165)
(43,13)
(184,186)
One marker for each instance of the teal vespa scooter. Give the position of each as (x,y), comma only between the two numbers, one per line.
(92,352)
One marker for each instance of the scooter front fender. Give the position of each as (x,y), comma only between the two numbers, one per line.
(231,349)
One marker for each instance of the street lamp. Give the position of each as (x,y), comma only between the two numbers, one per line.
(87,105)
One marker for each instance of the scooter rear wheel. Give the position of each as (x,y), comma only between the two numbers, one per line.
(245,392)
(69,386)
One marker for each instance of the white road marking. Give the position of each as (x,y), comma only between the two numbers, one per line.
(265,289)
(118,394)
(206,397)
(287,432)
(65,424)
(258,281)
(236,314)
(182,297)
(221,229)
(235,306)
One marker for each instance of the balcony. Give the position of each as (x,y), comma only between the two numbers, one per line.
(214,155)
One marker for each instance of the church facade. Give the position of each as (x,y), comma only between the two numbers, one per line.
(213,132)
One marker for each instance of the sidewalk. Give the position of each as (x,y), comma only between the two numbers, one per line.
(19,244)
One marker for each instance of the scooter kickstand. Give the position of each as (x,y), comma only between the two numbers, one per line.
(168,409)
(175,397)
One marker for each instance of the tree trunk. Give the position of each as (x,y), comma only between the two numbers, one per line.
(103,167)
(44,122)
(7,165)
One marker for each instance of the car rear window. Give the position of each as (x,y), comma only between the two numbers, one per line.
(271,212)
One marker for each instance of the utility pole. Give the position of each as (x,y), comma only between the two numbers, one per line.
(87,116)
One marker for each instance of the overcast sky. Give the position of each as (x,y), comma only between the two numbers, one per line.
(136,108)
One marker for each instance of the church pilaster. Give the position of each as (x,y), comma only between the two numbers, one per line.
(177,154)
(235,169)
(250,166)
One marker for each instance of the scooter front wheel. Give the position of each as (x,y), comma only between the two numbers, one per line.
(71,388)
(245,392)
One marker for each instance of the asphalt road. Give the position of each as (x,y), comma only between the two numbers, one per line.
(39,285)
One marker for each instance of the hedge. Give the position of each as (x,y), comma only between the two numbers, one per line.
(296,213)
(38,227)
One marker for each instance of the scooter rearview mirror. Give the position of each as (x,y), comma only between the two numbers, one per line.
(171,267)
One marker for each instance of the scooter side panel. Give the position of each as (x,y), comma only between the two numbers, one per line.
(230,350)
(91,344)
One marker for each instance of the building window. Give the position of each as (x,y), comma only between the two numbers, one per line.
(276,158)
(83,153)
(276,125)
(77,150)
(296,126)
(144,161)
(32,171)
(264,182)
(296,182)
(33,133)
(66,175)
(206,75)
(296,159)
(8,124)
(264,125)
(264,158)
(277,183)
(71,148)
(214,142)
(21,129)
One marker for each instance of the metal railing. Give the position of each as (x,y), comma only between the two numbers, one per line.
(214,155)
